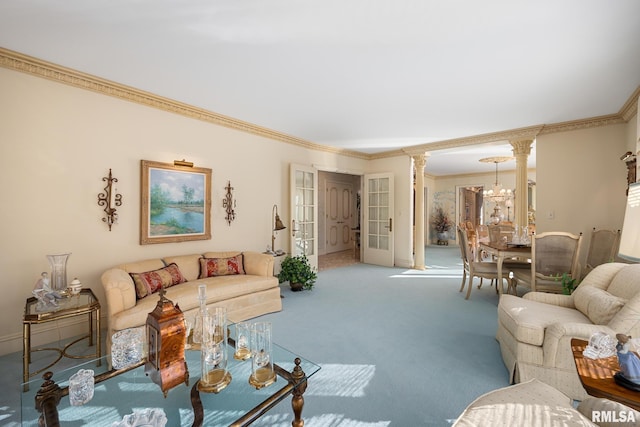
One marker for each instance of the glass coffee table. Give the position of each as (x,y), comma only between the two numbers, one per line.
(119,393)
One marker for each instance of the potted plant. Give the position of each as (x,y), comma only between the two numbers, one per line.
(441,223)
(298,272)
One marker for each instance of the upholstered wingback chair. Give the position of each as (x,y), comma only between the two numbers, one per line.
(535,331)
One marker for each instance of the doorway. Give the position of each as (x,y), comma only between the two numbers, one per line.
(338,215)
(470,205)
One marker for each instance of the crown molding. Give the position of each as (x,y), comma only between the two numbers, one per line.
(23,63)
(36,67)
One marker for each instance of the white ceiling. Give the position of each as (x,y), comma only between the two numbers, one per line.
(365,75)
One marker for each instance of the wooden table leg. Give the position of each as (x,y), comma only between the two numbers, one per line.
(297,401)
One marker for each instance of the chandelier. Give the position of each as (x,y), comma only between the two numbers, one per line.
(497,194)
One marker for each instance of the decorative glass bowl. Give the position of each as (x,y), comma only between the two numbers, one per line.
(600,346)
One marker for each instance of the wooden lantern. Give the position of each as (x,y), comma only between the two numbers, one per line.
(166,335)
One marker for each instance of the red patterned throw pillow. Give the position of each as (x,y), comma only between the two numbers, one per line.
(221,266)
(151,281)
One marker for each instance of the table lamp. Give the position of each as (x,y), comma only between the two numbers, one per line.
(277,226)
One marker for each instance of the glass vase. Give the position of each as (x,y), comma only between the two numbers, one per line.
(215,376)
(58,271)
(262,371)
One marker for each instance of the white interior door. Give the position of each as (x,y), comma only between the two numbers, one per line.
(339,216)
(377,236)
(304,212)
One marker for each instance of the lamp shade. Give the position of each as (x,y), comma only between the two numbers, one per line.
(630,239)
(278,224)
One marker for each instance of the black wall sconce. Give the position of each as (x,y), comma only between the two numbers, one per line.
(229,204)
(109,199)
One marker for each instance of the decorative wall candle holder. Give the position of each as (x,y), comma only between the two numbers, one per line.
(109,199)
(229,204)
(215,376)
(262,372)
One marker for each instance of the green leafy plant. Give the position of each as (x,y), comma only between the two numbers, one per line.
(297,270)
(569,284)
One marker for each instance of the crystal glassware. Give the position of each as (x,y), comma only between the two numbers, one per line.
(58,265)
(243,338)
(215,376)
(126,348)
(188,327)
(262,372)
(81,387)
(198,323)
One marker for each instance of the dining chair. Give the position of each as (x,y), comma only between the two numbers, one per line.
(603,248)
(483,270)
(553,254)
(497,232)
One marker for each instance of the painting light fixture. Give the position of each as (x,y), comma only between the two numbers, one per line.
(277,226)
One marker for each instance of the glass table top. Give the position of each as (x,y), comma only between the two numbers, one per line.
(68,304)
(133,390)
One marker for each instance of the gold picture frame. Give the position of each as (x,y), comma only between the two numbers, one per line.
(175,203)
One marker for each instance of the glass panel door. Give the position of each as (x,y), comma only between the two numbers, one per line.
(304,205)
(378,221)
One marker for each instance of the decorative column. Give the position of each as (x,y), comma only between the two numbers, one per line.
(419,161)
(521,151)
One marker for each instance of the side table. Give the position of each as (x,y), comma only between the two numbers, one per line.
(84,303)
(596,376)
(277,263)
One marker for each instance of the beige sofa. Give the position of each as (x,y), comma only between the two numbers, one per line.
(253,292)
(534,403)
(535,331)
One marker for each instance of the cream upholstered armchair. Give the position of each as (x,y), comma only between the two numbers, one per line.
(535,331)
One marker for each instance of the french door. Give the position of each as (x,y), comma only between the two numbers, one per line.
(377,236)
(303,186)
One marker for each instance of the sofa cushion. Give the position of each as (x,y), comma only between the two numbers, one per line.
(625,282)
(210,267)
(627,321)
(150,282)
(595,408)
(597,304)
(532,403)
(189,265)
(527,320)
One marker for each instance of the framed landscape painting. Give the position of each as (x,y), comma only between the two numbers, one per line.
(176,203)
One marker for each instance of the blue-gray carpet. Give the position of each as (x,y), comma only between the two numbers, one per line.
(397,347)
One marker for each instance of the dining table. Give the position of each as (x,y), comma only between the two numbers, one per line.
(502,251)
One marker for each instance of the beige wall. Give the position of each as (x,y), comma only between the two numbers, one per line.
(57,142)
(581,181)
